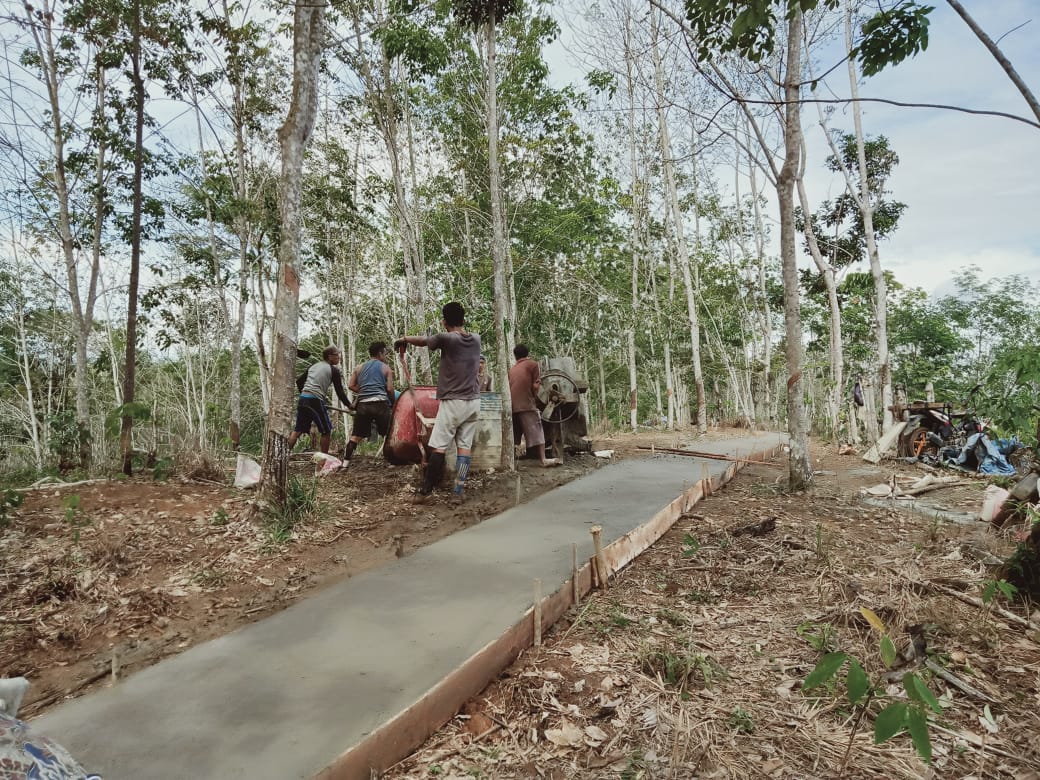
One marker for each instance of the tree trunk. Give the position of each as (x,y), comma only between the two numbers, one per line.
(82,311)
(767,313)
(837,357)
(801,472)
(636,241)
(683,254)
(669,384)
(866,208)
(293,136)
(130,360)
(498,252)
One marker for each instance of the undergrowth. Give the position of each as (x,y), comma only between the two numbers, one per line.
(301,503)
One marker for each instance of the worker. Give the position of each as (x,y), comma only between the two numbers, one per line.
(458,392)
(483,377)
(373,386)
(312,408)
(525,379)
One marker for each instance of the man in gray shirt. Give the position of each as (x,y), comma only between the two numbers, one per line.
(458,391)
(314,387)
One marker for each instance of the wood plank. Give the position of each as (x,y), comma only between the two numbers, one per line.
(884,444)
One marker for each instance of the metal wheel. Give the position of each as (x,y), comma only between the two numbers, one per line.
(919,444)
(558,392)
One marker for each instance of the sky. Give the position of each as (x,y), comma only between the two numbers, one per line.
(971,183)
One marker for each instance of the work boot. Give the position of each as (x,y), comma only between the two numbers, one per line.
(434,473)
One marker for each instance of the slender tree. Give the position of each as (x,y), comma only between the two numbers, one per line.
(485,15)
(750,28)
(293,137)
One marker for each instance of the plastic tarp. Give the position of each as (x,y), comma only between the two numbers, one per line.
(981,452)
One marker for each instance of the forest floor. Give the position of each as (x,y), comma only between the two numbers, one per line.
(690,665)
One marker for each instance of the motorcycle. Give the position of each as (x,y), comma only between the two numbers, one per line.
(931,426)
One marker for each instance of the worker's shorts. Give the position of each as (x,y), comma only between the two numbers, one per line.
(529,425)
(311,410)
(456,421)
(369,412)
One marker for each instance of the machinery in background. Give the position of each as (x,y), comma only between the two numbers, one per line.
(559,400)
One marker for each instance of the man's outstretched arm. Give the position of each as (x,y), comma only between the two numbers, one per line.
(415,341)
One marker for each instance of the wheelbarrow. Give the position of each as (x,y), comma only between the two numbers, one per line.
(411,422)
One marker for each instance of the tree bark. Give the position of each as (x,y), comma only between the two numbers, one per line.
(293,136)
(82,311)
(130,359)
(837,357)
(866,207)
(636,241)
(682,251)
(503,306)
(801,472)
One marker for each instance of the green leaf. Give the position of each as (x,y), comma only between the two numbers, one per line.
(824,671)
(857,681)
(1008,589)
(917,725)
(918,690)
(988,591)
(888,651)
(890,721)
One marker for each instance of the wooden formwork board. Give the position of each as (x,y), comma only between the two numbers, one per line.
(406,731)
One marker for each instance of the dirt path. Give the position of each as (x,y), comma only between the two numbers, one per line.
(691,665)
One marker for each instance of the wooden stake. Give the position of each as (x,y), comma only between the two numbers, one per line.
(575,591)
(518,490)
(537,613)
(705,480)
(601,559)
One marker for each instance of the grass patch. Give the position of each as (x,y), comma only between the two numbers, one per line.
(301,503)
(679,665)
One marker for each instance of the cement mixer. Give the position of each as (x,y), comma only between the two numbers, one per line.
(559,400)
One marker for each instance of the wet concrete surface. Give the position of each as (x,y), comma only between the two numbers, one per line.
(284,697)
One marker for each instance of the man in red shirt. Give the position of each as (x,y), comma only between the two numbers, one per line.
(524,380)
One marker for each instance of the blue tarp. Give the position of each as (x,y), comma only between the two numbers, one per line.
(982,453)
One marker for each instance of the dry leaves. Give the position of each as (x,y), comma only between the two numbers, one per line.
(691,666)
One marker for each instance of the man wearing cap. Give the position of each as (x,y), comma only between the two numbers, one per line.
(314,386)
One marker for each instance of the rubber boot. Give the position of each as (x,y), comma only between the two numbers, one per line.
(434,473)
(348,452)
(462,471)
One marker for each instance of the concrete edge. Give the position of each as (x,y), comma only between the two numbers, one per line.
(406,731)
